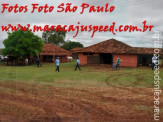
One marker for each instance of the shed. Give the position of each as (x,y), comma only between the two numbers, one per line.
(108,51)
(51,52)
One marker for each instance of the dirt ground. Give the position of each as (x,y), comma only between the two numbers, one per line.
(21,102)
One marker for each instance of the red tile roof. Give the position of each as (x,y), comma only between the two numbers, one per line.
(51,49)
(74,50)
(115,46)
(143,50)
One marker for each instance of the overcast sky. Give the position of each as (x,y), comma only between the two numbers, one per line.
(127,12)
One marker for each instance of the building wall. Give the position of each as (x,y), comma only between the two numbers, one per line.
(62,59)
(83,59)
(41,58)
(127,60)
(95,54)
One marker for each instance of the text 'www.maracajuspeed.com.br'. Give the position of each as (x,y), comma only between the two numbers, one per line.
(80,28)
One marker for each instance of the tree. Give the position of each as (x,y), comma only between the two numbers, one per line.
(70,45)
(21,44)
(54,37)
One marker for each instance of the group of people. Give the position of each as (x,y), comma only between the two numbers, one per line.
(57,61)
(117,65)
(155,62)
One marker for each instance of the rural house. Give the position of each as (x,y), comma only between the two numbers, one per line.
(51,51)
(108,51)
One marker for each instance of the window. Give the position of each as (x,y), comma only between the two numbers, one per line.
(85,53)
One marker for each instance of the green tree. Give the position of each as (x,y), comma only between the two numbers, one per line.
(21,44)
(54,37)
(70,45)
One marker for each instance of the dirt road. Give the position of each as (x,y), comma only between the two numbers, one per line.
(34,102)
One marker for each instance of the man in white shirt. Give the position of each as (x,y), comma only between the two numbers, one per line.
(154,60)
(78,64)
(26,61)
(57,64)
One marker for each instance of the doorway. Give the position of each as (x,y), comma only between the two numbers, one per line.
(106,58)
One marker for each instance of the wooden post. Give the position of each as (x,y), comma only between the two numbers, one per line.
(54,55)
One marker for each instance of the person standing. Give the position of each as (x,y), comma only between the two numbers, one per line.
(38,62)
(118,63)
(26,61)
(57,64)
(153,62)
(78,64)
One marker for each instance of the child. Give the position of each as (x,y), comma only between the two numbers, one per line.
(114,67)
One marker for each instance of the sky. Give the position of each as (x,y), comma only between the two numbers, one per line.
(126,12)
